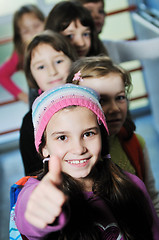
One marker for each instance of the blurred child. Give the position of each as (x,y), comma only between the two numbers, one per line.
(28,20)
(96,8)
(84,195)
(127,149)
(121,50)
(47,62)
(75,22)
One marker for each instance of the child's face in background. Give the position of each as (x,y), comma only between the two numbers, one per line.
(113,99)
(49,67)
(29,26)
(79,36)
(97,12)
(73,135)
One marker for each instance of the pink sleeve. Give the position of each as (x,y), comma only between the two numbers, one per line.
(7,69)
(24,226)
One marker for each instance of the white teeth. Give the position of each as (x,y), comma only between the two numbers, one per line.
(77,162)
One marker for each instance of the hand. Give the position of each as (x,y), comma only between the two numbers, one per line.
(22,96)
(46,201)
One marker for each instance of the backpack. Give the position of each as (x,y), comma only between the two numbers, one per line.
(15,189)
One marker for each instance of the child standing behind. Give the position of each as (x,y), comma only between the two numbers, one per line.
(47,63)
(27,22)
(96,8)
(127,149)
(84,195)
(121,50)
(74,21)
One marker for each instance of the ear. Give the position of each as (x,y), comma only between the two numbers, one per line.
(45,152)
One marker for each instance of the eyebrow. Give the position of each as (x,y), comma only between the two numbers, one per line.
(66,132)
(92,128)
(58,133)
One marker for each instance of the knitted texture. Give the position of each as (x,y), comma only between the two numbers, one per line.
(55,99)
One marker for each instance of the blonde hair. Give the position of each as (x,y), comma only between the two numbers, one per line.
(99,66)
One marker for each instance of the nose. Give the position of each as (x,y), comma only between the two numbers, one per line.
(95,14)
(78,147)
(52,70)
(113,107)
(32,32)
(79,41)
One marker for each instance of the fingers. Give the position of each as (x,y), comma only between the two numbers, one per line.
(55,169)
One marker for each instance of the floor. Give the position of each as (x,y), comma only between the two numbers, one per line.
(11,167)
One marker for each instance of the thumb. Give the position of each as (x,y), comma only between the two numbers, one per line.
(55,168)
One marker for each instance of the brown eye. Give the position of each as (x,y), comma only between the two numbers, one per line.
(62,138)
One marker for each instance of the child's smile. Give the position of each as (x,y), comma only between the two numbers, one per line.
(75,140)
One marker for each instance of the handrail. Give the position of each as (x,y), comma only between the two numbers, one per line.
(5,40)
(16,100)
(139,97)
(128,9)
(8,102)
(9,131)
(18,129)
(136,69)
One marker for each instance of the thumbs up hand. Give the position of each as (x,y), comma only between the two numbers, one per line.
(46,201)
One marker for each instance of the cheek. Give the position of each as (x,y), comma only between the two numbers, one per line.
(89,42)
(105,109)
(39,79)
(65,69)
(40,28)
(124,110)
(97,145)
(56,149)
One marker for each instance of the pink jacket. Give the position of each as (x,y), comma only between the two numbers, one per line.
(7,69)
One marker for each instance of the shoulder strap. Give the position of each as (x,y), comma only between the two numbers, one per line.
(15,189)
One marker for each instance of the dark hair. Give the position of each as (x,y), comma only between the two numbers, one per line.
(29,8)
(99,66)
(126,201)
(56,41)
(90,1)
(63,13)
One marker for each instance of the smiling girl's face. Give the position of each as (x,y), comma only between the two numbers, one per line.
(79,36)
(73,134)
(49,67)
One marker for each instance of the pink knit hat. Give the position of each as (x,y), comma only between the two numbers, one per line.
(55,99)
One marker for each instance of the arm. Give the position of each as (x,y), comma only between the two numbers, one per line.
(141,185)
(150,181)
(7,69)
(40,203)
(149,177)
(123,50)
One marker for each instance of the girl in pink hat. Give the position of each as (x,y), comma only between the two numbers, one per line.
(82,194)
